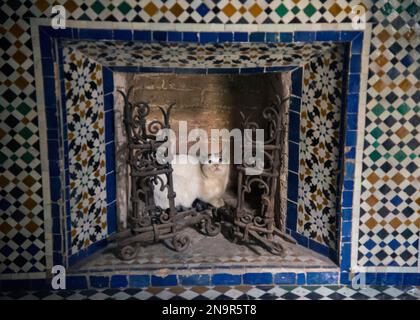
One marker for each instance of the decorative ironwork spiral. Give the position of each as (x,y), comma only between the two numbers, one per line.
(164,217)
(259,221)
(246,218)
(129,252)
(212,228)
(158,181)
(181,241)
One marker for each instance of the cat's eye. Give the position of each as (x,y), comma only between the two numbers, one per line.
(220,160)
(209,161)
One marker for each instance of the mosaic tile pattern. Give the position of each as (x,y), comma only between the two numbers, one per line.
(86,143)
(391,84)
(224,293)
(22,245)
(319,147)
(198,55)
(236,11)
(390,201)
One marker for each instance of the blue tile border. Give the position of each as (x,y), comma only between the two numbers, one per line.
(139,281)
(226,279)
(169,280)
(285,278)
(122,280)
(322,277)
(119,281)
(99,281)
(257,278)
(194,280)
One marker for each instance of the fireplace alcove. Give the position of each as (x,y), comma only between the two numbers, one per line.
(315,75)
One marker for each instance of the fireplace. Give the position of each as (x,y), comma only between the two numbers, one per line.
(217,105)
(209,83)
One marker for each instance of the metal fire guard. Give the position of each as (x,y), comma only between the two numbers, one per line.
(148,223)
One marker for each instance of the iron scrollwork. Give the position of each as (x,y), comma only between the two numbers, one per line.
(258,224)
(148,223)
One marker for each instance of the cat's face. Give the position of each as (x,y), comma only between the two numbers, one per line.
(214,166)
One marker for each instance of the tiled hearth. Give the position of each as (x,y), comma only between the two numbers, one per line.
(207,253)
(352,171)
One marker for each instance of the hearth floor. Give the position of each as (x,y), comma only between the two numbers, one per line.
(207,252)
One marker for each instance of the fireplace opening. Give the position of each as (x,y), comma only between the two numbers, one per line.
(211,102)
(206,101)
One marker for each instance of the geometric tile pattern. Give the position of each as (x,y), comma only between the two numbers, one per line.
(392,82)
(199,55)
(235,11)
(22,244)
(390,200)
(83,83)
(319,147)
(224,293)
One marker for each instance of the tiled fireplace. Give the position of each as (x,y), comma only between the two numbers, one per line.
(324,70)
(330,201)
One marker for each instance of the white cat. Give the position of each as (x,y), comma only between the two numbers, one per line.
(194,180)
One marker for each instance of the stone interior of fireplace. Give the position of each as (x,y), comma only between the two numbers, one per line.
(205,101)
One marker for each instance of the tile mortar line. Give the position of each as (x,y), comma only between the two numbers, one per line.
(43,143)
(358,168)
(200,27)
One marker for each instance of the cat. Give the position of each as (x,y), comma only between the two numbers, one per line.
(206,181)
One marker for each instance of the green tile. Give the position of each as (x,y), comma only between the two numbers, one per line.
(375,155)
(27,157)
(26,133)
(378,110)
(295,10)
(387,9)
(23,108)
(282,10)
(403,109)
(400,156)
(309,10)
(98,7)
(124,8)
(376,133)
